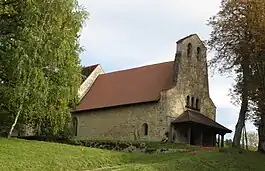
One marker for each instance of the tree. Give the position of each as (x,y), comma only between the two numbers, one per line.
(230,40)
(256,16)
(239,38)
(228,143)
(40,71)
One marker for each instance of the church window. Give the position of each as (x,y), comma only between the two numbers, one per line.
(145,129)
(192,102)
(189,51)
(198,53)
(197,104)
(75,125)
(188,101)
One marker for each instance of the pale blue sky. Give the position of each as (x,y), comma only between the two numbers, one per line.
(122,34)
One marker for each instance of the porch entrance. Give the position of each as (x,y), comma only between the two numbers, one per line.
(193,134)
(196,129)
(192,138)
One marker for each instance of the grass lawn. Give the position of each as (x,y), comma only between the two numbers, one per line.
(34,155)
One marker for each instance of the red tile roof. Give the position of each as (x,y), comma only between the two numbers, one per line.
(137,85)
(197,117)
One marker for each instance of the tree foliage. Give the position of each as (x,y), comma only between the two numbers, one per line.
(40,70)
(238,36)
(230,39)
(256,14)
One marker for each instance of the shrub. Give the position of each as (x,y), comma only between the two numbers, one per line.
(150,150)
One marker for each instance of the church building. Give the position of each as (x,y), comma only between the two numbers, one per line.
(169,99)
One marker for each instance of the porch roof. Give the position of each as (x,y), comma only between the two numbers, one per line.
(196,117)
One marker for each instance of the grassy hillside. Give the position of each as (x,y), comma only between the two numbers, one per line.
(34,155)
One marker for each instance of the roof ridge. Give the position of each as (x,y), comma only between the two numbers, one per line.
(90,66)
(186,37)
(128,69)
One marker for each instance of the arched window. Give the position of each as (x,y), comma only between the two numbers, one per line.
(189,50)
(198,53)
(192,102)
(145,129)
(197,104)
(188,101)
(75,125)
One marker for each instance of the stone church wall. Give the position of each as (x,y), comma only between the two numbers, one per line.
(126,122)
(123,123)
(191,79)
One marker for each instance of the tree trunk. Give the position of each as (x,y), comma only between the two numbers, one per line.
(243,139)
(261,131)
(246,138)
(241,122)
(244,105)
(261,104)
(15,121)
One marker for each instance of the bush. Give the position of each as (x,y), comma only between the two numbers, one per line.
(150,150)
(46,138)
(103,144)
(126,146)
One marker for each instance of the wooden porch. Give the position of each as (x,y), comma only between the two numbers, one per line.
(196,129)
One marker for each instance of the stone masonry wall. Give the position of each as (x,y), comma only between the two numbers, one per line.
(191,79)
(123,123)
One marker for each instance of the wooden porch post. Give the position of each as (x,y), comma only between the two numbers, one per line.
(189,135)
(222,140)
(202,138)
(214,139)
(218,141)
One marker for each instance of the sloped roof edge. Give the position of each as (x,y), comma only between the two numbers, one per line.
(197,117)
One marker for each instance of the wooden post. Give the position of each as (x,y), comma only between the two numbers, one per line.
(222,141)
(218,140)
(202,138)
(213,139)
(189,135)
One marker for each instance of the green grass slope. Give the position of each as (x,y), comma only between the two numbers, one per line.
(35,155)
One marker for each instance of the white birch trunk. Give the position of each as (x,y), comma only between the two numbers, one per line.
(15,121)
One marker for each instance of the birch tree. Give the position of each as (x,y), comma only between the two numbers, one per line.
(40,70)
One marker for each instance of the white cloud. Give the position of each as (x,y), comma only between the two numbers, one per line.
(219,90)
(139,30)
